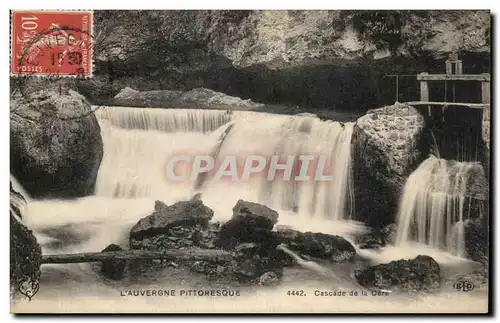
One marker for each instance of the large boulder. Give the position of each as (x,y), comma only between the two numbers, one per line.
(385,148)
(251,222)
(317,245)
(419,274)
(129,97)
(184,214)
(199,98)
(25,253)
(56,145)
(371,240)
(477,239)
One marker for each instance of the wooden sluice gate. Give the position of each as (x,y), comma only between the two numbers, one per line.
(453,73)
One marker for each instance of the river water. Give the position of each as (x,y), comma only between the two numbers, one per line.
(137,145)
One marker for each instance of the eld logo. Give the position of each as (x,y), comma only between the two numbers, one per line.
(464,286)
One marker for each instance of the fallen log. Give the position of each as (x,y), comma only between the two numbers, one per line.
(175,254)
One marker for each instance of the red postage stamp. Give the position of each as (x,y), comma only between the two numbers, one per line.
(51,43)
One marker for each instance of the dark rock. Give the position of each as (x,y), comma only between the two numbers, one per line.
(419,274)
(178,215)
(371,240)
(130,97)
(318,245)
(476,239)
(25,252)
(477,184)
(255,214)
(389,232)
(113,269)
(269,279)
(159,205)
(249,268)
(55,152)
(198,98)
(180,237)
(251,222)
(246,248)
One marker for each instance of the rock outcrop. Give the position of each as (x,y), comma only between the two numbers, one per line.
(180,214)
(129,97)
(477,239)
(248,237)
(385,148)
(199,98)
(317,245)
(280,38)
(371,240)
(251,222)
(56,145)
(316,59)
(419,274)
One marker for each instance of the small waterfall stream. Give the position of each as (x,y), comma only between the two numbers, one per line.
(433,206)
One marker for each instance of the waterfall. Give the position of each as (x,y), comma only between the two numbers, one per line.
(18,198)
(166,120)
(432,209)
(138,142)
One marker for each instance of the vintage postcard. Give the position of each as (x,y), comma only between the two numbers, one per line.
(261,161)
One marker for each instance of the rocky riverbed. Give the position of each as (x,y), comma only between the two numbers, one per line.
(260,250)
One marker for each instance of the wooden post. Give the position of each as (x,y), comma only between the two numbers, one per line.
(449,68)
(485,90)
(424,89)
(459,67)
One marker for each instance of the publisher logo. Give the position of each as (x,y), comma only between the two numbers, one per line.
(464,286)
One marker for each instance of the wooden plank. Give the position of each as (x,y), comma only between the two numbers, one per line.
(448,104)
(424,90)
(453,77)
(174,254)
(485,92)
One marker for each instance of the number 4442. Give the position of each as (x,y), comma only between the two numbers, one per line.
(296,293)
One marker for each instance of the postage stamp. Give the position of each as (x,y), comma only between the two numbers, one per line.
(51,43)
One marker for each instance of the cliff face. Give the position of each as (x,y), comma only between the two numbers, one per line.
(334,60)
(280,39)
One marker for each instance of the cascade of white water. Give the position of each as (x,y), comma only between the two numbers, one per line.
(165,120)
(138,142)
(432,208)
(18,198)
(313,137)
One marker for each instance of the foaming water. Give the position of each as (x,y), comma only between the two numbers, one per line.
(135,159)
(410,251)
(137,143)
(432,208)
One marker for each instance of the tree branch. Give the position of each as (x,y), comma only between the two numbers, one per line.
(173,254)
